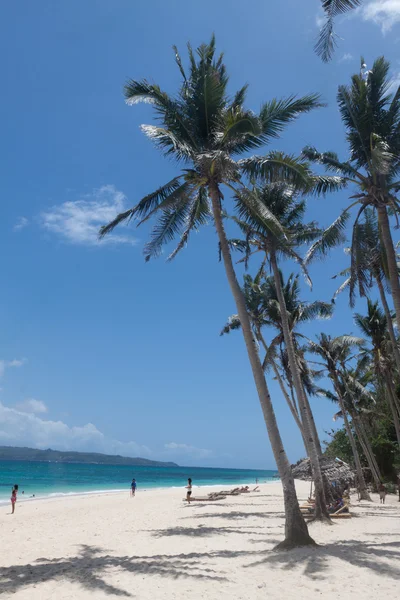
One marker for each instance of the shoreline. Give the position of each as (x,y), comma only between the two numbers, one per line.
(22,499)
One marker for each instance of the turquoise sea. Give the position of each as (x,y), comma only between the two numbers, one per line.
(52,479)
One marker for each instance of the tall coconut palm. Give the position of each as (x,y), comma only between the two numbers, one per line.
(374,327)
(206,131)
(335,352)
(326,43)
(368,268)
(259,209)
(371,115)
(264,311)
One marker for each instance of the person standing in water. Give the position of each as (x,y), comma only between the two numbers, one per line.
(189,490)
(133,488)
(14,498)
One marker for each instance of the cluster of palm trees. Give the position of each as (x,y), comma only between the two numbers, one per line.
(212,135)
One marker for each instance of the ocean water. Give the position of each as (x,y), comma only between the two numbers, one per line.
(52,479)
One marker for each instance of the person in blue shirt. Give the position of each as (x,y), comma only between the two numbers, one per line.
(133,488)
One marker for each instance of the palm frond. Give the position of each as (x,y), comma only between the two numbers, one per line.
(198,214)
(278,167)
(276,114)
(169,225)
(232,324)
(326,43)
(331,237)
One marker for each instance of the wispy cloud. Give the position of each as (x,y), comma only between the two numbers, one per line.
(347,57)
(9,364)
(19,427)
(186,450)
(385,13)
(79,221)
(30,405)
(21,223)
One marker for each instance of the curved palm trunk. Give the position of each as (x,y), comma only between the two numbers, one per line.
(296,531)
(384,225)
(321,511)
(283,388)
(366,446)
(388,315)
(364,495)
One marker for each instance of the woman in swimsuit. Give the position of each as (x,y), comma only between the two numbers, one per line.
(189,490)
(13,498)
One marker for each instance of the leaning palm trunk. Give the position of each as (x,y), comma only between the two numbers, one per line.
(391,398)
(292,408)
(321,511)
(368,452)
(313,426)
(384,225)
(296,531)
(364,495)
(388,315)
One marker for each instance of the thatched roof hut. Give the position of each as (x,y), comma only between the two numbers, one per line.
(337,472)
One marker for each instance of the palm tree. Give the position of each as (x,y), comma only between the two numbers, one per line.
(326,43)
(206,131)
(368,267)
(260,210)
(264,311)
(335,353)
(371,115)
(374,327)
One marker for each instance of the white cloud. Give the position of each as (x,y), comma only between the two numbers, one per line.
(346,57)
(186,450)
(30,405)
(7,364)
(385,13)
(320,20)
(21,223)
(20,428)
(79,221)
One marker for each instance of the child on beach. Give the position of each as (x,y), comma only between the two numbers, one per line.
(189,490)
(14,498)
(133,488)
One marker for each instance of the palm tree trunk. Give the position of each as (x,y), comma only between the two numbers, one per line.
(283,387)
(364,495)
(391,397)
(313,426)
(321,511)
(368,453)
(392,334)
(384,225)
(296,530)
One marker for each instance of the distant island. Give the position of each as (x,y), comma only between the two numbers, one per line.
(34,455)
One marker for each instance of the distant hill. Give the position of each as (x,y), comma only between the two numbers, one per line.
(31,454)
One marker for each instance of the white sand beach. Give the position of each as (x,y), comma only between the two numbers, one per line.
(156,547)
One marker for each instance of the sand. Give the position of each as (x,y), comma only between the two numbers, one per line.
(155,547)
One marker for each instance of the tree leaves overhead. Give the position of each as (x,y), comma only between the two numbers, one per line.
(206,128)
(326,43)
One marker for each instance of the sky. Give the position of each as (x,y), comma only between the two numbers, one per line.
(98,350)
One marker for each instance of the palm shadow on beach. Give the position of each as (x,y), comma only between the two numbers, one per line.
(364,555)
(91,565)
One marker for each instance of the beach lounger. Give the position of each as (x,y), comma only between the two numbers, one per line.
(205,498)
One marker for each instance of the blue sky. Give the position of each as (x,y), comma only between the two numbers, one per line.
(99,350)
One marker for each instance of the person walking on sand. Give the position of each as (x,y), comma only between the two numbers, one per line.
(14,498)
(382,493)
(189,490)
(133,488)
